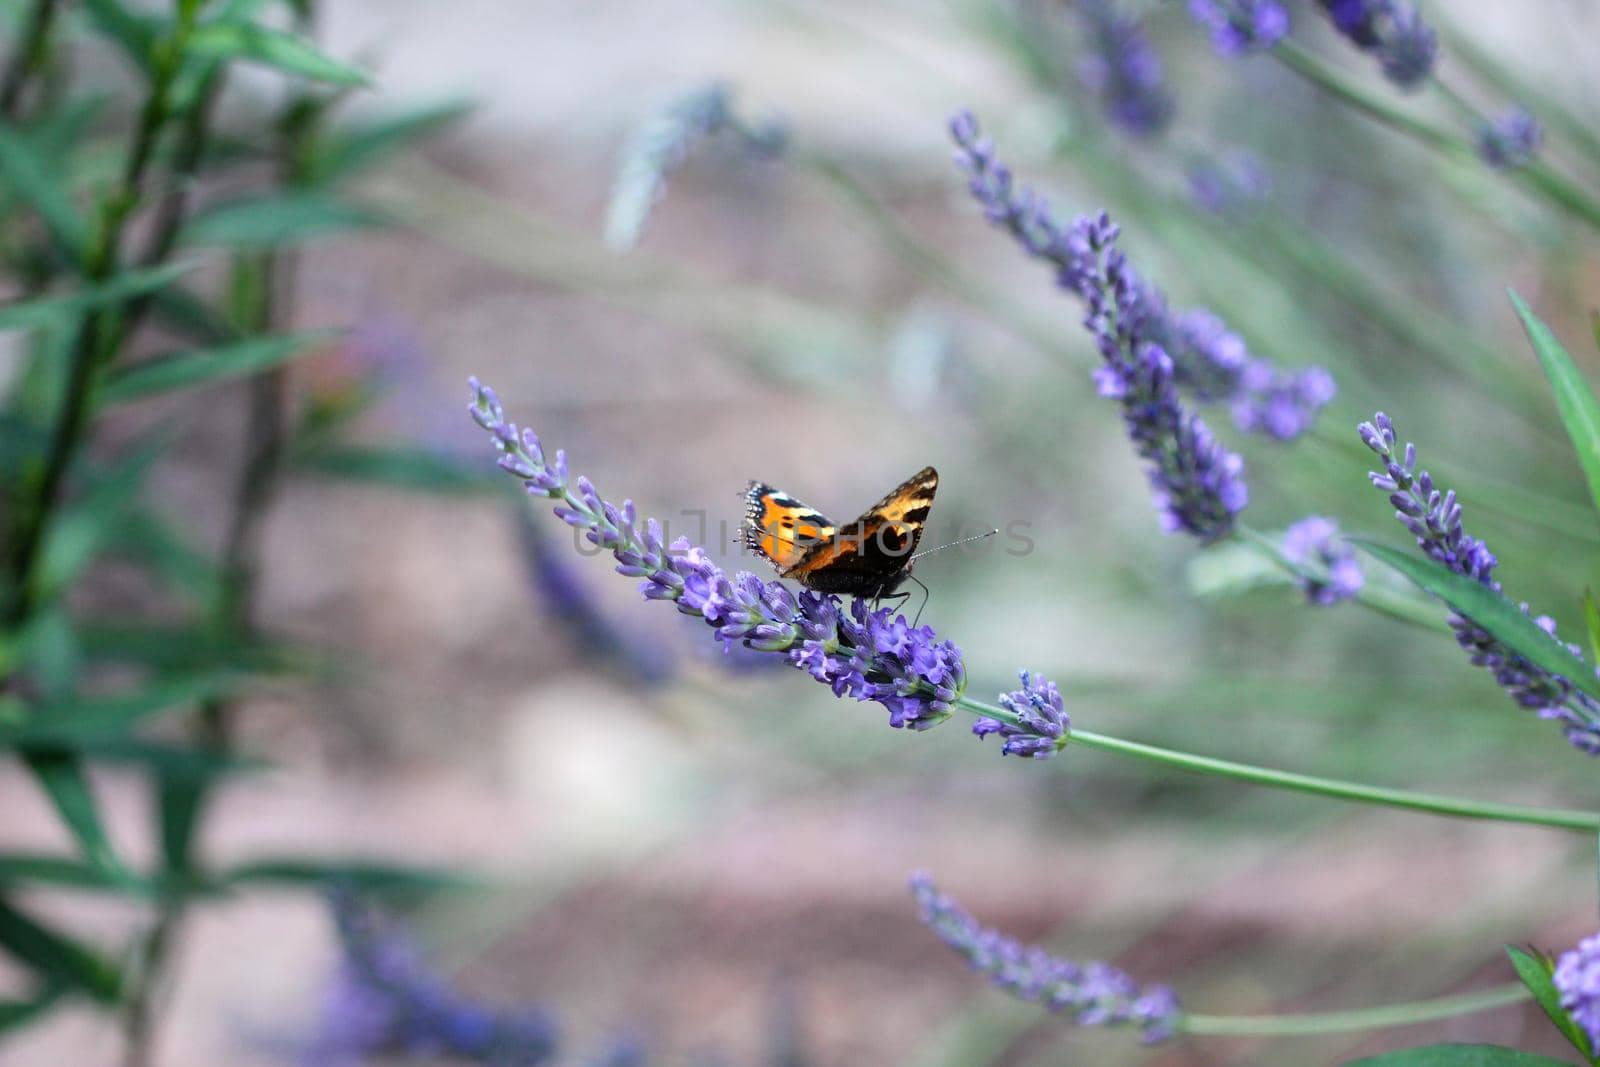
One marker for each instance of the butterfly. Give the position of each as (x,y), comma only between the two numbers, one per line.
(869,557)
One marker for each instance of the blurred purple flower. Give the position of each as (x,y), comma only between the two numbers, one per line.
(857,652)
(1123,69)
(1198,485)
(1097,993)
(1434,518)
(1042,722)
(1393,31)
(1511,140)
(1314,542)
(385,1001)
(1238,27)
(1577,979)
(1229,185)
(1215,364)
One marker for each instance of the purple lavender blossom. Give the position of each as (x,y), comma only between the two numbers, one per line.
(857,652)
(1238,27)
(1577,979)
(385,1001)
(1314,542)
(1198,485)
(1230,185)
(1098,993)
(1510,141)
(1434,519)
(1140,337)
(1042,723)
(1124,70)
(1393,31)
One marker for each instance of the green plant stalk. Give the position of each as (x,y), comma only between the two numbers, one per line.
(29,58)
(98,335)
(1333,1022)
(1432,803)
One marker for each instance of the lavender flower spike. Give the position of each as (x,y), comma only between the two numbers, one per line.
(1238,27)
(1510,141)
(1124,70)
(856,652)
(1314,542)
(1042,725)
(1393,31)
(1577,979)
(1098,993)
(1198,485)
(1434,519)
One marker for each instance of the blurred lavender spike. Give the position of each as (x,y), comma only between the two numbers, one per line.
(659,146)
(1097,994)
(1433,517)
(1229,185)
(1511,140)
(1239,27)
(385,1001)
(1577,980)
(1314,542)
(1392,31)
(1124,71)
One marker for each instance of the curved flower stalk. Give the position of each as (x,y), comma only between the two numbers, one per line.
(1097,994)
(660,145)
(1314,544)
(1393,31)
(1239,27)
(1193,350)
(384,1001)
(1511,140)
(1124,71)
(1434,518)
(855,651)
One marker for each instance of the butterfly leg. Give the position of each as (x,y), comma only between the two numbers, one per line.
(927,595)
(898,598)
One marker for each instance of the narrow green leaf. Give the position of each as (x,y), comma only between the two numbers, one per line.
(1535,972)
(368,875)
(206,366)
(67,872)
(84,530)
(55,957)
(1458,1056)
(148,539)
(43,185)
(88,719)
(1580,411)
(268,221)
(155,756)
(61,776)
(15,1014)
(399,467)
(45,310)
(1591,618)
(273,48)
(135,34)
(361,146)
(1493,612)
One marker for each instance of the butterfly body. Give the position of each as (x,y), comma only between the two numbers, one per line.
(869,557)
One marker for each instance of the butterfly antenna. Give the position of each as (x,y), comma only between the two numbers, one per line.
(952,544)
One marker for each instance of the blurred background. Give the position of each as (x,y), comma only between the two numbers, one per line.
(705,853)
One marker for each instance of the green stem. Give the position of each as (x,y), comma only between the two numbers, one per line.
(29,57)
(1333,1022)
(1561,819)
(1335,83)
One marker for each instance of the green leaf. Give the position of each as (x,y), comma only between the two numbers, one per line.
(61,776)
(43,185)
(400,467)
(55,957)
(361,146)
(1591,618)
(1491,611)
(66,872)
(46,310)
(1535,972)
(273,48)
(151,541)
(134,33)
(1458,1056)
(1580,411)
(171,760)
(206,366)
(84,530)
(70,724)
(268,221)
(367,875)
(15,1014)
